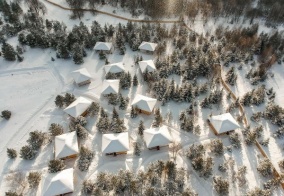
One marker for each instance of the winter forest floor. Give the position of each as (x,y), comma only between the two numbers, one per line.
(31,86)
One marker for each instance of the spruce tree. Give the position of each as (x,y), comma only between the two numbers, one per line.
(8,52)
(158,118)
(59,101)
(135,80)
(56,165)
(78,54)
(27,153)
(12,153)
(141,128)
(133,112)
(56,129)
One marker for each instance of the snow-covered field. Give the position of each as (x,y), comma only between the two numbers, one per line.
(29,88)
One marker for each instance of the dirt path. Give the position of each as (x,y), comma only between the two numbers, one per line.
(114,15)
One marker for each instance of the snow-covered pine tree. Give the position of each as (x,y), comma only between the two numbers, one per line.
(68,99)
(8,52)
(81,120)
(141,128)
(217,147)
(63,51)
(82,133)
(133,112)
(117,126)
(221,185)
(34,179)
(123,103)
(77,52)
(103,124)
(6,114)
(85,158)
(36,139)
(135,80)
(265,167)
(115,114)
(113,99)
(158,120)
(56,165)
(59,101)
(137,149)
(11,153)
(93,109)
(55,129)
(27,152)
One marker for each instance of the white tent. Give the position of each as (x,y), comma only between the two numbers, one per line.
(58,183)
(66,145)
(224,122)
(148,64)
(144,103)
(81,76)
(78,107)
(110,86)
(149,46)
(157,137)
(114,68)
(115,142)
(106,46)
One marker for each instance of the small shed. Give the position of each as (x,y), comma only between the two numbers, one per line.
(58,183)
(147,65)
(223,124)
(78,107)
(81,77)
(157,137)
(66,146)
(115,143)
(103,46)
(110,87)
(144,104)
(114,68)
(148,46)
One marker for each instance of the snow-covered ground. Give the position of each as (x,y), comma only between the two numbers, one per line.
(29,88)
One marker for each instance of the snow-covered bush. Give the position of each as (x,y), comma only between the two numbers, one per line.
(34,179)
(273,183)
(55,129)
(27,152)
(275,114)
(6,114)
(256,116)
(88,187)
(221,185)
(85,158)
(56,165)
(12,193)
(217,147)
(204,165)
(68,99)
(223,167)
(281,164)
(235,140)
(265,167)
(12,153)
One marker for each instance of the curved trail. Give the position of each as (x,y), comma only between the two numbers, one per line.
(114,15)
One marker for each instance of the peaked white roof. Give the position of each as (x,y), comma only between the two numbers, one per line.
(66,145)
(81,75)
(103,46)
(110,86)
(115,142)
(157,137)
(114,68)
(144,103)
(79,106)
(58,183)
(148,64)
(148,46)
(224,122)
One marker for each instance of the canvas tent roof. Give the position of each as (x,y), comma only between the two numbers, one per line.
(148,64)
(58,183)
(157,137)
(224,122)
(149,46)
(115,142)
(144,103)
(103,46)
(66,145)
(110,86)
(114,68)
(81,75)
(79,106)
